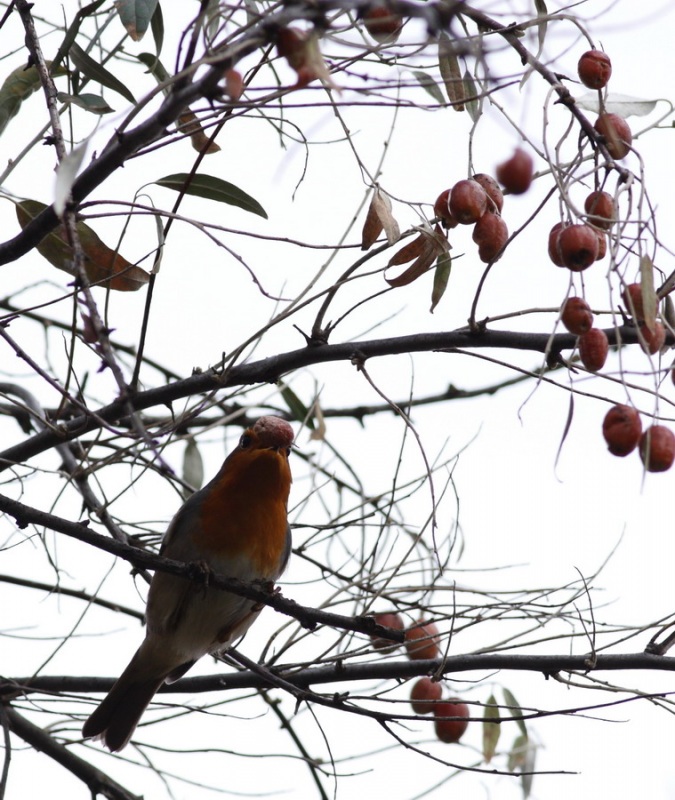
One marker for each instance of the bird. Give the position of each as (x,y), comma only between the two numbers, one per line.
(236,525)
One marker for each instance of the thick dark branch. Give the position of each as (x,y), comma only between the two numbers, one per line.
(380,669)
(143,559)
(126,144)
(98,782)
(270,370)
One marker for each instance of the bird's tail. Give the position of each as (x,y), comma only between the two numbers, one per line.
(116,718)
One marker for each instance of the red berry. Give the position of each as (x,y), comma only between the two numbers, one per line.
(492,190)
(421,641)
(442,210)
(424,694)
(593,349)
(622,428)
(657,448)
(616,133)
(632,298)
(602,244)
(652,341)
(577,247)
(390,620)
(234,84)
(553,240)
(515,175)
(490,234)
(451,730)
(468,202)
(594,69)
(577,316)
(382,24)
(601,209)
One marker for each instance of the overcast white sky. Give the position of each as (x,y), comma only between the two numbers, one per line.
(518,507)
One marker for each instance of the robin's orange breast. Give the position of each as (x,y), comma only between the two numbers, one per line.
(244,513)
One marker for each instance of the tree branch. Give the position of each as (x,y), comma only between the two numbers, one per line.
(98,782)
(271,369)
(308,617)
(302,678)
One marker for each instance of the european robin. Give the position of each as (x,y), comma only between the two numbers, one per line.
(236,526)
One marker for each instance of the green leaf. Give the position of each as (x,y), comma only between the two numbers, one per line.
(136,15)
(212,189)
(214,18)
(73,30)
(295,405)
(650,302)
(441,277)
(518,753)
(491,728)
(157,25)
(155,68)
(18,86)
(471,99)
(514,709)
(429,85)
(542,13)
(253,12)
(89,102)
(97,73)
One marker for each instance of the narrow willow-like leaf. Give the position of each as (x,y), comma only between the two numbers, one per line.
(295,405)
(450,72)
(491,728)
(429,85)
(542,13)
(157,26)
(441,278)
(193,467)
(514,709)
(211,188)
(93,103)
(650,302)
(472,101)
(73,30)
(97,73)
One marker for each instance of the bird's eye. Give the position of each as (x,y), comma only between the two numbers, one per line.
(245,440)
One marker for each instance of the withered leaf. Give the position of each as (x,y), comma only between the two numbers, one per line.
(101,264)
(451,73)
(188,123)
(424,249)
(378,219)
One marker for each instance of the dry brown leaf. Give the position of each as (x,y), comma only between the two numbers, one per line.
(378,219)
(188,123)
(450,72)
(409,251)
(424,249)
(101,264)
